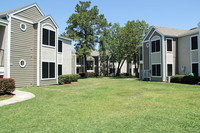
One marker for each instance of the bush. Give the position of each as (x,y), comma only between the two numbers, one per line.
(190,79)
(67,79)
(124,74)
(185,79)
(177,78)
(75,77)
(92,74)
(82,74)
(7,85)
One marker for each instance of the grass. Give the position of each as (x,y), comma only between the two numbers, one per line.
(106,105)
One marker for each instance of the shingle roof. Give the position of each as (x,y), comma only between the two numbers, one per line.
(14,10)
(170,31)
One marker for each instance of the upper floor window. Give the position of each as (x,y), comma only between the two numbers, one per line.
(155,45)
(59,46)
(194,42)
(169,45)
(48,37)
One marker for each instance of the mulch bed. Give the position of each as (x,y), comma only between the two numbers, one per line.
(6,95)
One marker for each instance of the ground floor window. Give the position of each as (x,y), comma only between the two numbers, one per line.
(59,69)
(195,70)
(156,70)
(169,69)
(48,70)
(112,70)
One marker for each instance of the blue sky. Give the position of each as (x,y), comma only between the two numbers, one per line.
(180,14)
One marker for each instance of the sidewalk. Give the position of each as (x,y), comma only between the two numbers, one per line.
(18,97)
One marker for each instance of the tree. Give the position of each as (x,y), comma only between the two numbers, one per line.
(133,34)
(84,26)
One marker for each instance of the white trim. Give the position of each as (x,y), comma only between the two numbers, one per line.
(22,27)
(191,62)
(22,66)
(145,41)
(56,44)
(163,59)
(199,47)
(23,19)
(4,21)
(195,63)
(64,38)
(38,55)
(39,21)
(25,8)
(48,70)
(9,47)
(148,33)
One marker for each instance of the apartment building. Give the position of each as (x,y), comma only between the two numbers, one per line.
(31,52)
(168,51)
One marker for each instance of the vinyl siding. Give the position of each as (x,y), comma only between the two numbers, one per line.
(73,64)
(146,57)
(46,55)
(67,57)
(23,46)
(150,33)
(184,55)
(31,14)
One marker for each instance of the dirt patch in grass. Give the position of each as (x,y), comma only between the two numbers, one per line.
(8,95)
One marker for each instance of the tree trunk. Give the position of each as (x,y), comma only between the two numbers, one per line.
(85,59)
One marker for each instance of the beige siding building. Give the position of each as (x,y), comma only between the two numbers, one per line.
(166,52)
(29,47)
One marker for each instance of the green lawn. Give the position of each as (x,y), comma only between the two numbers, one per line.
(106,105)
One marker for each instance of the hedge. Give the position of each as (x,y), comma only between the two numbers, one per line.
(185,79)
(67,79)
(7,85)
(92,74)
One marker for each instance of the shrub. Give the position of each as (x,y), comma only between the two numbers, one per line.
(82,74)
(75,77)
(7,85)
(92,74)
(185,79)
(190,79)
(177,78)
(64,79)
(68,78)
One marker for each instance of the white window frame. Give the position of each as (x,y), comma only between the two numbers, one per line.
(191,43)
(172,45)
(24,25)
(53,29)
(48,71)
(172,69)
(151,46)
(160,70)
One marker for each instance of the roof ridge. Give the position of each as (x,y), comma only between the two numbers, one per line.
(16,9)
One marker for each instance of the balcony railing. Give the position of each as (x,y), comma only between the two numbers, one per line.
(1,58)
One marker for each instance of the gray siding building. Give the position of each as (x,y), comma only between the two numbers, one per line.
(29,47)
(168,51)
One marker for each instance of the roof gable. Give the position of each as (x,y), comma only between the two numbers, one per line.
(20,9)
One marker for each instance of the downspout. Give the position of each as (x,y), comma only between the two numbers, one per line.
(163,59)
(199,49)
(56,67)
(9,47)
(38,55)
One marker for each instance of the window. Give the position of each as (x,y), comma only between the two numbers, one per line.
(169,69)
(59,69)
(194,42)
(89,65)
(169,44)
(195,70)
(48,70)
(155,45)
(22,63)
(59,46)
(156,70)
(48,37)
(23,26)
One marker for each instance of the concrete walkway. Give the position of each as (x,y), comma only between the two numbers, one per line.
(18,97)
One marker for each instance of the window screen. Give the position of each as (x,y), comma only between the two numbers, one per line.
(169,45)
(59,69)
(195,69)
(52,70)
(45,37)
(45,70)
(52,38)
(194,42)
(157,45)
(59,46)
(169,69)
